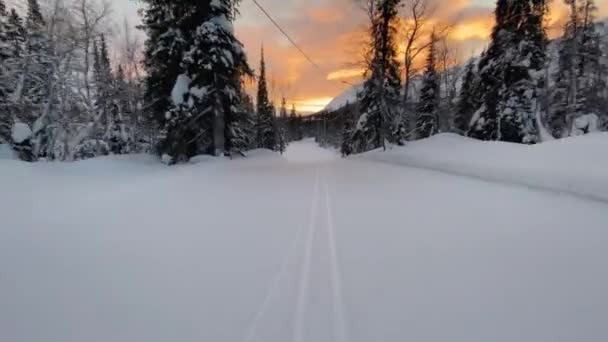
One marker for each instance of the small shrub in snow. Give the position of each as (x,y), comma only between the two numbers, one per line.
(91,148)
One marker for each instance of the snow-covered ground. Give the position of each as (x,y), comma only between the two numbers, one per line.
(309,247)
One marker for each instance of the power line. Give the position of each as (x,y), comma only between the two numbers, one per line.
(286,34)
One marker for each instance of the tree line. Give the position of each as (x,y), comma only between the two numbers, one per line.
(63,96)
(516,91)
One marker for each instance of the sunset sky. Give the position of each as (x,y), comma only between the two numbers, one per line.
(330,31)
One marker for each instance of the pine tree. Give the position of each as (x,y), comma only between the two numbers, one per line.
(578,80)
(206,114)
(164,52)
(427,121)
(119,138)
(293,125)
(217,63)
(36,89)
(104,90)
(265,125)
(283,110)
(380,96)
(511,74)
(5,84)
(468,100)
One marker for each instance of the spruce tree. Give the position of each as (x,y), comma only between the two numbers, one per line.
(104,82)
(193,56)
(427,121)
(511,74)
(39,72)
(164,51)
(119,138)
(5,84)
(265,125)
(579,80)
(381,92)
(468,100)
(216,63)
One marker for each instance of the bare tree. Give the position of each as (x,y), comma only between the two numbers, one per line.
(131,52)
(416,14)
(450,72)
(90,17)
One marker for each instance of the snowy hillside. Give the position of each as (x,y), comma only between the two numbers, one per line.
(506,243)
(348,96)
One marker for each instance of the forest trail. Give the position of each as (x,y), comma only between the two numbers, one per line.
(307,247)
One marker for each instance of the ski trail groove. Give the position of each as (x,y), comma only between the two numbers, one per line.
(303,292)
(339,318)
(274,284)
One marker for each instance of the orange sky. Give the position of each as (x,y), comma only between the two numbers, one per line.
(332,31)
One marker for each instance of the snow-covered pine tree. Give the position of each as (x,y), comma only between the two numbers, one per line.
(20,129)
(192,55)
(381,92)
(578,80)
(216,64)
(164,52)
(427,121)
(468,100)
(265,123)
(119,137)
(38,68)
(103,84)
(511,74)
(592,72)
(5,88)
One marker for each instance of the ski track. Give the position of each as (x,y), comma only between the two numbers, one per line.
(276,281)
(339,318)
(303,292)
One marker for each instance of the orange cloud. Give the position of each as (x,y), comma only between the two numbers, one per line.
(345,74)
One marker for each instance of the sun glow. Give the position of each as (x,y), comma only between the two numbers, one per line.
(344,74)
(314,105)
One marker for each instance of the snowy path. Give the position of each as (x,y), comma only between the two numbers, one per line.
(312,249)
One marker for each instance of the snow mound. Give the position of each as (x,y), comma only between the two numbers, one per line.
(21,132)
(6,152)
(180,89)
(570,166)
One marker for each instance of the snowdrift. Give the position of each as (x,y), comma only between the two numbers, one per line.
(6,152)
(575,166)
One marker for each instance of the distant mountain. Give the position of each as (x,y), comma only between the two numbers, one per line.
(348,96)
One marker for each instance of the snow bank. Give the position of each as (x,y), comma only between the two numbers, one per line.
(574,166)
(20,132)
(6,152)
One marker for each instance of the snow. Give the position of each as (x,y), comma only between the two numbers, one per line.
(180,89)
(584,124)
(6,152)
(20,132)
(569,166)
(306,151)
(308,247)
